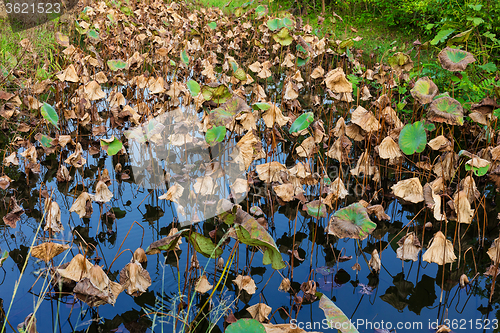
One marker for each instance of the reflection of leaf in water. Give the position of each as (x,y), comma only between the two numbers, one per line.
(153,213)
(19,256)
(392,297)
(423,295)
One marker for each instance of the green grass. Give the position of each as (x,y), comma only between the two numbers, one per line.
(377,36)
(36,64)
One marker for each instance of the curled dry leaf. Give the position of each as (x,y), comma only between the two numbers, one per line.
(440,250)
(63,174)
(5,182)
(48,250)
(365,119)
(102,192)
(76,159)
(245,283)
(439,142)
(11,159)
(14,215)
(53,217)
(97,289)
(135,279)
(93,91)
(77,269)
(409,246)
(494,251)
(140,256)
(260,311)
(285,285)
(337,82)
(174,193)
(285,191)
(202,285)
(83,205)
(463,209)
(69,74)
(389,149)
(340,149)
(409,190)
(379,211)
(274,115)
(375,262)
(270,172)
(307,148)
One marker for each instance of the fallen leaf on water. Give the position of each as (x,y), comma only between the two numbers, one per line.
(335,317)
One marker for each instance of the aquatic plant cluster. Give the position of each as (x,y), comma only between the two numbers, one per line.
(228,120)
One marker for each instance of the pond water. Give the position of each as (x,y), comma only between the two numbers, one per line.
(405,297)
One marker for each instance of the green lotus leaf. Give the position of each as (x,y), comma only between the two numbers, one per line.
(212,25)
(274,24)
(424,90)
(93,35)
(488,67)
(460,38)
(185,57)
(49,114)
(116,64)
(283,37)
(46,141)
(246,326)
(194,87)
(113,147)
(260,10)
(400,61)
(478,165)
(413,138)
(219,93)
(250,232)
(335,318)
(455,60)
(261,106)
(240,74)
(215,134)
(302,122)
(446,110)
(352,222)
(203,245)
(316,209)
(441,36)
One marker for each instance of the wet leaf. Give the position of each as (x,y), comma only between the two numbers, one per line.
(413,138)
(49,114)
(302,122)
